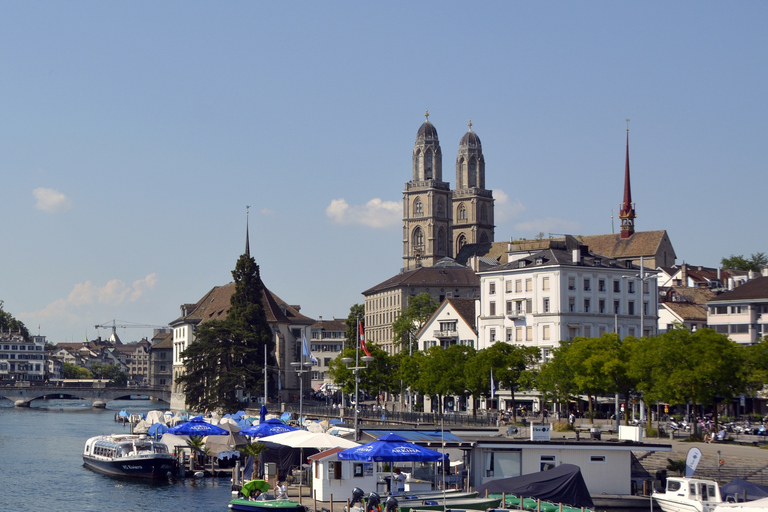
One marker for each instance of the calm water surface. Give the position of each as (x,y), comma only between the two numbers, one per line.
(41,467)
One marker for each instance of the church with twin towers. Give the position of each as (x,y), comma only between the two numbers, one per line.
(438,221)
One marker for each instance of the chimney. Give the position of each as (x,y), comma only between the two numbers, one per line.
(576,255)
(684,274)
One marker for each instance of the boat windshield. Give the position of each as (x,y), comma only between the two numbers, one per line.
(673,485)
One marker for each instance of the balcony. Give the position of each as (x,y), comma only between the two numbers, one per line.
(446,334)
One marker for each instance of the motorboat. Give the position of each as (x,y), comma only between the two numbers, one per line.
(266,505)
(129,455)
(684,494)
(449,503)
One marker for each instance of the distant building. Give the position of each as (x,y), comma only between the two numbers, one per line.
(561,293)
(327,339)
(683,306)
(22,360)
(741,313)
(385,301)
(161,360)
(453,323)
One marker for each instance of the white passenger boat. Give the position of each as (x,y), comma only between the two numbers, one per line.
(130,455)
(684,494)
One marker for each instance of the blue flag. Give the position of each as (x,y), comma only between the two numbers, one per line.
(305,349)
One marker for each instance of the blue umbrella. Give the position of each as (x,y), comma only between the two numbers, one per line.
(197,426)
(267,428)
(262,413)
(391,448)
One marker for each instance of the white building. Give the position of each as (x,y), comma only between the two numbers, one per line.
(741,313)
(327,340)
(22,360)
(563,292)
(453,323)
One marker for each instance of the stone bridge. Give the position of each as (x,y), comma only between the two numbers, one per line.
(98,394)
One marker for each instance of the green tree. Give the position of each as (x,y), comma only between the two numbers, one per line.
(755,262)
(253,450)
(442,372)
(377,378)
(555,379)
(513,368)
(228,354)
(587,358)
(412,319)
(72,371)
(477,377)
(356,312)
(10,324)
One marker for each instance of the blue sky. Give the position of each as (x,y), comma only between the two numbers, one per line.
(135,134)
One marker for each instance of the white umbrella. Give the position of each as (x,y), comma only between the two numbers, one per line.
(304,439)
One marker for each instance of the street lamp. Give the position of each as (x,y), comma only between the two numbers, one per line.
(301,367)
(347,361)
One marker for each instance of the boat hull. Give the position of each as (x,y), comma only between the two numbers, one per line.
(266,505)
(147,468)
(453,504)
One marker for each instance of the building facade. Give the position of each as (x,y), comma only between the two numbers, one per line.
(561,293)
(327,340)
(741,313)
(22,360)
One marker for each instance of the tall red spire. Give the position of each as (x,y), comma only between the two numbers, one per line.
(627,208)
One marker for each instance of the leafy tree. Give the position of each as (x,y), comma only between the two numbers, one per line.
(72,371)
(253,449)
(356,312)
(555,379)
(9,323)
(756,366)
(229,354)
(442,372)
(513,368)
(755,262)
(587,357)
(412,319)
(477,377)
(380,376)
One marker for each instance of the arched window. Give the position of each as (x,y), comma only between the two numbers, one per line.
(418,207)
(428,164)
(484,238)
(440,208)
(472,173)
(483,212)
(460,242)
(418,239)
(441,242)
(462,212)
(462,174)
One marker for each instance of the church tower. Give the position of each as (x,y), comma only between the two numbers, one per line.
(426,204)
(472,203)
(627,208)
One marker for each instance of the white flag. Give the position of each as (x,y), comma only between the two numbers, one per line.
(493,386)
(694,456)
(305,349)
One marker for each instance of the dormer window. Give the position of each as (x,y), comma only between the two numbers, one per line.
(521,264)
(539,261)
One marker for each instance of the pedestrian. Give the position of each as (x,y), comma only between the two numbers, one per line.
(281,492)
(399,480)
(572,419)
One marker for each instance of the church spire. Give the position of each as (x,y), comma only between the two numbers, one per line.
(247,245)
(627,210)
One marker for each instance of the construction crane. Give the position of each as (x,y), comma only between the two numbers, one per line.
(126,325)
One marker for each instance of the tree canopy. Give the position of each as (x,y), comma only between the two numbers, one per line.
(412,319)
(10,324)
(755,262)
(228,355)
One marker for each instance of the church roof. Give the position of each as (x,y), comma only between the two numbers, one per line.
(427,131)
(447,277)
(641,243)
(470,139)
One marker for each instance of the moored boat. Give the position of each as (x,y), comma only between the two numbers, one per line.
(129,455)
(683,494)
(266,505)
(453,504)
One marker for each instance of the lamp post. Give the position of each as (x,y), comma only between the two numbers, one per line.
(301,367)
(347,361)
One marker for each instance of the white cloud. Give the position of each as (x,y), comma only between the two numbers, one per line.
(85,295)
(51,201)
(375,213)
(549,225)
(504,209)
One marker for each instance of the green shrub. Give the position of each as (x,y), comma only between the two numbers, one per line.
(562,426)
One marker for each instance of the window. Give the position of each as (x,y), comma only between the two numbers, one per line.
(519,333)
(418,207)
(492,310)
(571,304)
(529,305)
(601,306)
(462,212)
(510,307)
(598,459)
(520,309)
(509,334)
(601,285)
(631,286)
(492,288)
(571,283)
(528,333)
(587,331)
(586,305)
(545,333)
(616,285)
(545,284)
(587,286)
(529,285)
(492,335)
(631,307)
(518,286)
(508,286)
(545,305)
(616,304)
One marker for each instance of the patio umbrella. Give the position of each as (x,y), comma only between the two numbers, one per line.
(391,448)
(197,426)
(304,439)
(262,413)
(267,428)
(252,485)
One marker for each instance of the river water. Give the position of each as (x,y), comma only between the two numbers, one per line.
(41,466)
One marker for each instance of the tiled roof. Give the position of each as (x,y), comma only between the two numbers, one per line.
(551,257)
(687,311)
(641,243)
(466,309)
(429,276)
(496,251)
(688,294)
(336,324)
(755,289)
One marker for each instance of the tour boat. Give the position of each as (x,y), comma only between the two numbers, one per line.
(129,455)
